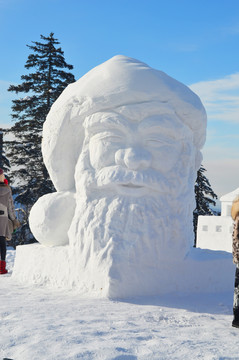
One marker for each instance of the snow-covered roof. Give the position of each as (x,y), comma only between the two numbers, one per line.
(231,196)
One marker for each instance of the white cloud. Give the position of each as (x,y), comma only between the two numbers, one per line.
(221,152)
(184,47)
(231,30)
(217,151)
(223,175)
(220,97)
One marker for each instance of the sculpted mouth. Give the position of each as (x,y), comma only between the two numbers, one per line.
(130,189)
(132,186)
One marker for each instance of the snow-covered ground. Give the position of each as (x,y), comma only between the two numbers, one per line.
(38,323)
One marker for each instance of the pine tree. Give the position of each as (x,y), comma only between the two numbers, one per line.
(4,162)
(204,196)
(42,86)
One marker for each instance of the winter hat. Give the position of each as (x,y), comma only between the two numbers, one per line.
(1,171)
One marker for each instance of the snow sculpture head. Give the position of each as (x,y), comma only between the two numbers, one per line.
(129,140)
(136,150)
(128,88)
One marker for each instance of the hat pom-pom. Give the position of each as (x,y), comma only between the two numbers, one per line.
(5,181)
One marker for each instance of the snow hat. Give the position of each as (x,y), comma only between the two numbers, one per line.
(120,81)
(123,80)
(235,208)
(1,171)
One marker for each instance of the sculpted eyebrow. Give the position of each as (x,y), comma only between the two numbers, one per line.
(153,127)
(158,130)
(107,125)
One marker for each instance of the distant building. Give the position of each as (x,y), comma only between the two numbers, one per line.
(215,232)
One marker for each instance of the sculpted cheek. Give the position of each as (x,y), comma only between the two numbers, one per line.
(166,157)
(101,154)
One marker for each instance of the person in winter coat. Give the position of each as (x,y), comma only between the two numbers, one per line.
(7,211)
(235,253)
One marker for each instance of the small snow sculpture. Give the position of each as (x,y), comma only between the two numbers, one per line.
(122,147)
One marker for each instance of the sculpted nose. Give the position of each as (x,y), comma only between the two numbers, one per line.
(133,158)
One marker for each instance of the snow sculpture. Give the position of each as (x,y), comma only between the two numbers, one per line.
(124,130)
(122,147)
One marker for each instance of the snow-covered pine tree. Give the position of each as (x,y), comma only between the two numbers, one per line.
(4,162)
(204,196)
(43,86)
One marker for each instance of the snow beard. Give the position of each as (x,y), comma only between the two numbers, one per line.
(121,243)
(121,234)
(128,231)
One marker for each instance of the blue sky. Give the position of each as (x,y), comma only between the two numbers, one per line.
(196,42)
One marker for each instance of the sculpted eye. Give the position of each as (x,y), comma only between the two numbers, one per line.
(155,142)
(112,137)
(108,137)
